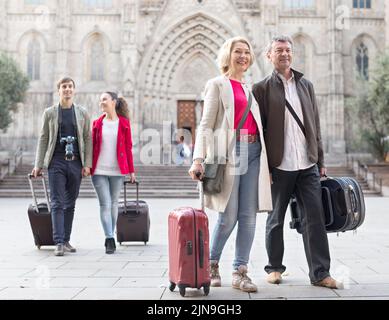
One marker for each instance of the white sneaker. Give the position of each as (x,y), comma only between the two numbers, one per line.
(241,281)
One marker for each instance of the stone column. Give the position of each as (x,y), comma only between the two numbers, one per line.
(130,61)
(270,22)
(386,24)
(334,113)
(63,29)
(3,24)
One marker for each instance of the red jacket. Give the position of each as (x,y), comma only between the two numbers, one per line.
(124,144)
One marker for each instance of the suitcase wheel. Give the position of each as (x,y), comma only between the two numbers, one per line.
(206,289)
(182,291)
(120,243)
(172,286)
(39,247)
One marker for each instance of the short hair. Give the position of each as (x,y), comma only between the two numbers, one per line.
(224,56)
(65,80)
(279,38)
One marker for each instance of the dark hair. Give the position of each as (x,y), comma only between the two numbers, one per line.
(121,106)
(65,80)
(279,38)
(182,138)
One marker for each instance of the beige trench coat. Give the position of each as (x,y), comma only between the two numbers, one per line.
(217,124)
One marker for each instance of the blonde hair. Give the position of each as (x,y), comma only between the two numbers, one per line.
(224,56)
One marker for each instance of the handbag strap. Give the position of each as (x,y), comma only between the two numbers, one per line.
(296,117)
(246,113)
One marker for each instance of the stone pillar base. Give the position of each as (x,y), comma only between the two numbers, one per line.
(336,155)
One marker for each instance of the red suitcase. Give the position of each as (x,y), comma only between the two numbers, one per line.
(189,249)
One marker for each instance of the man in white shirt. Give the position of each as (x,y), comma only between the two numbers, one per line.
(293,141)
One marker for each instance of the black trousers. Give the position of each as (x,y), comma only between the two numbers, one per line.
(64,181)
(305,185)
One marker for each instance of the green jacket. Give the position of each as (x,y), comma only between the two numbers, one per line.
(49,132)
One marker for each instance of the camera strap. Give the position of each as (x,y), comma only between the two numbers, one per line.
(60,116)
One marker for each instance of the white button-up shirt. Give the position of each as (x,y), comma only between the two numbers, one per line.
(295,145)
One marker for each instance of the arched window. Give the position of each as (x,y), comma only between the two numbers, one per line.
(97,60)
(299,4)
(98,3)
(300,54)
(362,60)
(34,60)
(362,4)
(34,2)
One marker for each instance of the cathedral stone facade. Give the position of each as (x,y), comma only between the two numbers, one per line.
(159,54)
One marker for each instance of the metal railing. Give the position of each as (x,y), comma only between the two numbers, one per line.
(9,165)
(362,171)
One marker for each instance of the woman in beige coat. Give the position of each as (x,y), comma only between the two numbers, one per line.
(246,185)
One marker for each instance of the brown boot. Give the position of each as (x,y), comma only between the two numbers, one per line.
(330,283)
(274,277)
(241,281)
(215,276)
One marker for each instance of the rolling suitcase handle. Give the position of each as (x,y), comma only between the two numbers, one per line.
(201,191)
(201,236)
(201,249)
(125,195)
(30,177)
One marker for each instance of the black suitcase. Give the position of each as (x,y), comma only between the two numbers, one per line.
(133,223)
(39,215)
(343,205)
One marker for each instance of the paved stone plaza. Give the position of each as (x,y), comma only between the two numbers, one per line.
(137,271)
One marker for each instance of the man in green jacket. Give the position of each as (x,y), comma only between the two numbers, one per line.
(65,148)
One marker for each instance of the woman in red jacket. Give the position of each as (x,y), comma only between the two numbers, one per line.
(112,160)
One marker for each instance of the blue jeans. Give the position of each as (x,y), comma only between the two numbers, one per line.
(241,208)
(64,181)
(108,191)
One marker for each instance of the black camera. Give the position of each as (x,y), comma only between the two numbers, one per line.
(69,148)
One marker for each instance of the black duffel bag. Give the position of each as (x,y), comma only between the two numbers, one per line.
(343,206)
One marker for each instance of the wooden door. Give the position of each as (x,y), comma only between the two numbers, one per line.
(186,116)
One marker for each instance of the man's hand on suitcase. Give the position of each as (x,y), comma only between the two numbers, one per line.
(36,172)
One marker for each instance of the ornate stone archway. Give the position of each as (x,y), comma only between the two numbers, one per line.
(193,42)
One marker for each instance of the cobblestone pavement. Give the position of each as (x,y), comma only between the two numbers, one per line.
(137,271)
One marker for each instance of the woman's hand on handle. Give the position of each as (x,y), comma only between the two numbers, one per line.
(131,177)
(196,171)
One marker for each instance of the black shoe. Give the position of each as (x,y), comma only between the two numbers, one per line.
(109,248)
(114,244)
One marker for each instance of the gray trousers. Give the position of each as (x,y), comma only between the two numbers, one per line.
(305,185)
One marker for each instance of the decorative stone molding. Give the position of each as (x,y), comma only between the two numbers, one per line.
(252,7)
(149,6)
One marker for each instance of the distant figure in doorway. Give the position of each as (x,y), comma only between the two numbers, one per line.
(183,151)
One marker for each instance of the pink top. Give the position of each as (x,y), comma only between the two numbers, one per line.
(240,106)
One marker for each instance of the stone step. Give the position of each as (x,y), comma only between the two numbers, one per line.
(156,181)
(144,194)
